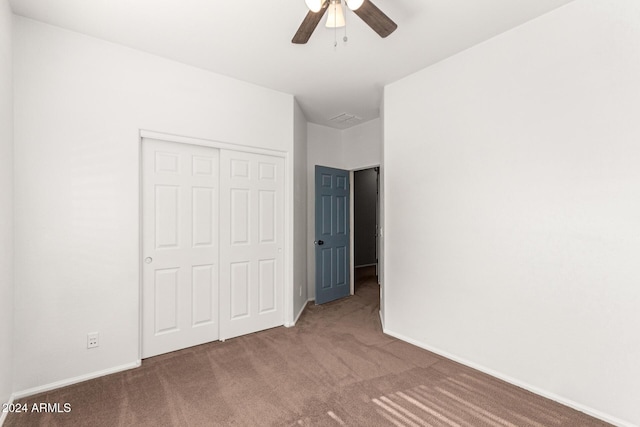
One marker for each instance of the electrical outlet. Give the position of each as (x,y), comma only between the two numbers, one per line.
(93,340)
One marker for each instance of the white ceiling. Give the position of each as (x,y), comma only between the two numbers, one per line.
(251,41)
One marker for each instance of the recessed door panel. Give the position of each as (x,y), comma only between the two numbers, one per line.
(341,266)
(167,162)
(342,220)
(166,300)
(239,168)
(267,171)
(203,166)
(326,219)
(205,302)
(326,268)
(239,216)
(203,216)
(167,216)
(267,278)
(239,289)
(326,180)
(267,216)
(342,182)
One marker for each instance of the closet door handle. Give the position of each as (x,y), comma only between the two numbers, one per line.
(148,260)
(319,242)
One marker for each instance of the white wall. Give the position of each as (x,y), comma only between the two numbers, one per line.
(79,105)
(6,204)
(512,185)
(300,290)
(362,145)
(355,148)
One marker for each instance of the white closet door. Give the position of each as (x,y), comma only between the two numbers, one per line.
(180,210)
(251,243)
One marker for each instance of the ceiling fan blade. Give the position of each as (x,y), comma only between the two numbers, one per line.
(376,19)
(309,24)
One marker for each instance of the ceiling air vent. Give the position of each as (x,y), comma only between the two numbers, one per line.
(345,119)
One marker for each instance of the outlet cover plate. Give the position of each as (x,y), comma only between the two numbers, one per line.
(93,340)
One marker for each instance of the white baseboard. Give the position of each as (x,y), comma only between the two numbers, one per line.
(3,415)
(382,322)
(291,325)
(544,393)
(75,380)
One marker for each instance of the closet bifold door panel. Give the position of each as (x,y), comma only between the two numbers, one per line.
(251,243)
(180,246)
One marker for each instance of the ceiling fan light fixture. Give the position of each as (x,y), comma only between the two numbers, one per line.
(336,15)
(354,4)
(314,5)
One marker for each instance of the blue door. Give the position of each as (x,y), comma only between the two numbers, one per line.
(332,234)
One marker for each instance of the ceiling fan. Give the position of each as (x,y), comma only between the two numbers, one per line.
(365,9)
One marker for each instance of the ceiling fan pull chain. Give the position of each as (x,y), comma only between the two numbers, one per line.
(335,28)
(344,39)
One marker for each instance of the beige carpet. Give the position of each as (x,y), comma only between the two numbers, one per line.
(334,368)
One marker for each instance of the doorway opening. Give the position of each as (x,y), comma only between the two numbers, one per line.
(366,224)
